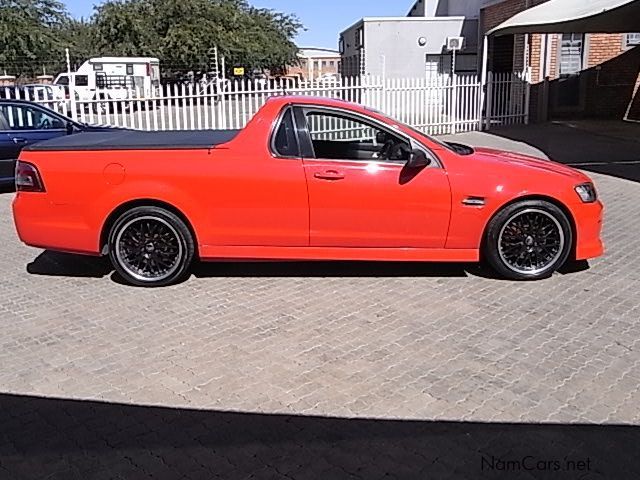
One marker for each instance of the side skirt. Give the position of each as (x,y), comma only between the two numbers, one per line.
(211,252)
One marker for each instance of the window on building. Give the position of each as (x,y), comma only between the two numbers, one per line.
(632,39)
(129,69)
(359,37)
(324,63)
(332,63)
(571,53)
(341,45)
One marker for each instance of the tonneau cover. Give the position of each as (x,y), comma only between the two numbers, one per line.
(137,140)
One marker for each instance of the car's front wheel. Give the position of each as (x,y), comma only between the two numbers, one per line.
(151,247)
(528,240)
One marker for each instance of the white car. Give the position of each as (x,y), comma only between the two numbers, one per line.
(329,78)
(51,96)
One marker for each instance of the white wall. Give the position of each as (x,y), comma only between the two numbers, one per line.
(446,8)
(397,41)
(466,8)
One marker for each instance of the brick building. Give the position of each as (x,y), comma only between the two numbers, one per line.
(589,74)
(314,63)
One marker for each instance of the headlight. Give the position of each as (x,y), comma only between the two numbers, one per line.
(587,192)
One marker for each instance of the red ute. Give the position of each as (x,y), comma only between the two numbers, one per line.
(307,178)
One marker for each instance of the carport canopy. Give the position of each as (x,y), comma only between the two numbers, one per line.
(575,16)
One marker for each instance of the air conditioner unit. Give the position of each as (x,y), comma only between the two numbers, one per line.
(455,43)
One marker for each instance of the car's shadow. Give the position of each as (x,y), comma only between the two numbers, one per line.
(70,439)
(331,269)
(58,264)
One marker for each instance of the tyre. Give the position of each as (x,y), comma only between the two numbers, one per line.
(151,247)
(528,240)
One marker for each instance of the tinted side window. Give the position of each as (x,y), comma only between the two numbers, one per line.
(22,117)
(339,137)
(4,125)
(285,143)
(82,81)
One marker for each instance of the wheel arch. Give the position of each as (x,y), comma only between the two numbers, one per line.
(143,202)
(524,198)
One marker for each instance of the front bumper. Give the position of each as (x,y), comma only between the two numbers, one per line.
(589,218)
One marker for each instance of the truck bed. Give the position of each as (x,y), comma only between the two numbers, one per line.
(137,140)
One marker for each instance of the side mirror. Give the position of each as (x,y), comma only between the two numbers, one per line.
(70,128)
(418,159)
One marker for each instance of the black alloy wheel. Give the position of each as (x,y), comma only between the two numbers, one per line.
(528,240)
(151,246)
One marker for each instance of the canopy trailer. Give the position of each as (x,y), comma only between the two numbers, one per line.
(115,77)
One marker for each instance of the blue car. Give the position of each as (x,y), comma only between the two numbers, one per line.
(23,123)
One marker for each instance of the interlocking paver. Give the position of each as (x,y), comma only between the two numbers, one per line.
(377,341)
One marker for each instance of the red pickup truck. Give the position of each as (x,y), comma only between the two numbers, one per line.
(307,178)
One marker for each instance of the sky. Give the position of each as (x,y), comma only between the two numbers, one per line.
(323,19)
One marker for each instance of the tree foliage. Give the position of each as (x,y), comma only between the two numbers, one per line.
(181,33)
(30,34)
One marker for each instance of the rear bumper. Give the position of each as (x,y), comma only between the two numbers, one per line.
(42,224)
(588,218)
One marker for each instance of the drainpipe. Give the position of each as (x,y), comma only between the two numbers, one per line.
(543,111)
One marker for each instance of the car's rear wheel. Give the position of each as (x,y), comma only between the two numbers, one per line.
(151,247)
(528,240)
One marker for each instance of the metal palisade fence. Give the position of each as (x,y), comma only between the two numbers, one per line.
(436,105)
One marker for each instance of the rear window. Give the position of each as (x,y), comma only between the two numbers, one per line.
(285,143)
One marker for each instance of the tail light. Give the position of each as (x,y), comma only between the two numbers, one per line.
(28,178)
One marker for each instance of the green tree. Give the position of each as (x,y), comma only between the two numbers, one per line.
(30,32)
(79,36)
(183,33)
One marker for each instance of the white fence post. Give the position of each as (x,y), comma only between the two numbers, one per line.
(488,112)
(453,112)
(527,95)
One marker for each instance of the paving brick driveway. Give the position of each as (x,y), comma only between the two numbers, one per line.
(377,370)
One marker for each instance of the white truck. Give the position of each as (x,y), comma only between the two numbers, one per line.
(112,79)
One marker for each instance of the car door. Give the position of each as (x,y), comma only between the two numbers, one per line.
(29,123)
(361,193)
(8,153)
(256,191)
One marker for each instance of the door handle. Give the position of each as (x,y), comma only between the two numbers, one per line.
(19,140)
(329,175)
